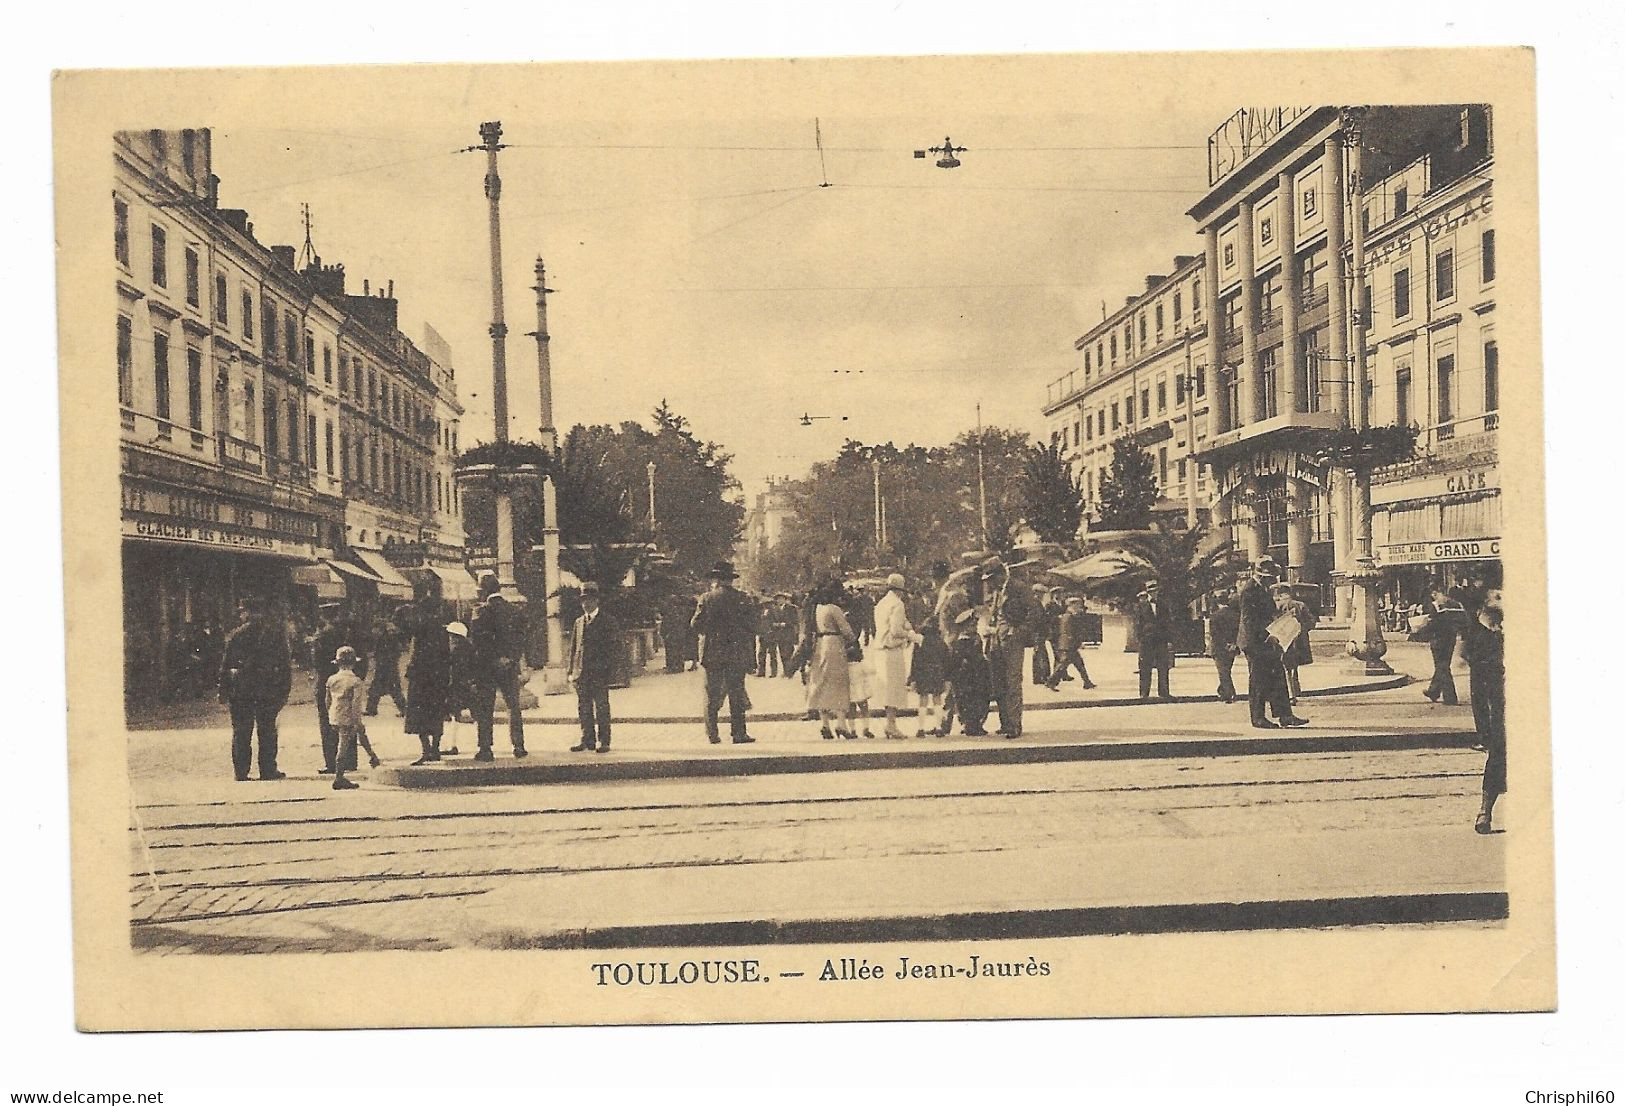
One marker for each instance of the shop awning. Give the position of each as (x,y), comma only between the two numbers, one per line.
(320,576)
(456,584)
(1098,566)
(391,584)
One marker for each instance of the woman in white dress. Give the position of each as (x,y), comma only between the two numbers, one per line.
(893,636)
(829,688)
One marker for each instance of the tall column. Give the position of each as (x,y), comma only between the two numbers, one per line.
(1297,528)
(1337,351)
(1292,395)
(544,360)
(1252,386)
(504,535)
(491,133)
(1219,416)
(555,676)
(1191,463)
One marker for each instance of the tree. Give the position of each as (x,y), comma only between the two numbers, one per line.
(1052,494)
(1128,491)
(1187,564)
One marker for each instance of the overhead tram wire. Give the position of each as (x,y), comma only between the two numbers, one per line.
(834,149)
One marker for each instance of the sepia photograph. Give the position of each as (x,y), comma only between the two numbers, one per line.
(734,541)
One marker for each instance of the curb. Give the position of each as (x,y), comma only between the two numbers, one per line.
(1387,683)
(507,773)
(1090,921)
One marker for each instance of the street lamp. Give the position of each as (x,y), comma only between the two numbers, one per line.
(651,470)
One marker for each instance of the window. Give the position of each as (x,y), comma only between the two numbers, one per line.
(1402,293)
(1308,202)
(1446,378)
(1162,396)
(1128,339)
(1162,465)
(310,441)
(194,388)
(1444,274)
(1229,255)
(1402,393)
(1402,200)
(1232,319)
(1145,402)
(344,375)
(1178,309)
(248,314)
(327,364)
(310,355)
(272,438)
(1230,375)
(248,410)
(1100,355)
(344,454)
(1182,470)
(221,307)
(1101,419)
(1196,300)
(1086,362)
(1486,257)
(160,375)
(1159,320)
(293,429)
(290,338)
(372,391)
(268,318)
(1312,277)
(327,445)
(1179,389)
(160,257)
(1142,330)
(1114,349)
(194,291)
(1310,357)
(126,388)
(1116,421)
(1089,427)
(1266,230)
(1492,377)
(1368,316)
(1267,366)
(121,232)
(1201,381)
(1269,299)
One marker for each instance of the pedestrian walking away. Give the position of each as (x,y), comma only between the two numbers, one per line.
(1440,627)
(1046,629)
(594,643)
(1069,645)
(725,621)
(497,640)
(1483,646)
(893,637)
(386,663)
(344,713)
(1222,624)
(428,679)
(256,675)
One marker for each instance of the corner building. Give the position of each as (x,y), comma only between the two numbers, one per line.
(1281,310)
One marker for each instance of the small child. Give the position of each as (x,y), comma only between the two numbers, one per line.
(928,675)
(346,695)
(967,671)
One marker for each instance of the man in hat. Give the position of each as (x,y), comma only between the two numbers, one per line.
(1069,645)
(256,674)
(1266,673)
(386,661)
(1046,631)
(1222,624)
(1154,632)
(725,621)
(497,640)
(594,642)
(1010,616)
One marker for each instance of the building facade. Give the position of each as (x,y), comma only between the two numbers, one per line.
(1145,374)
(237,402)
(1285,317)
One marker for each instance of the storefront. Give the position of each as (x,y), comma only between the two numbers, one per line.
(1438,523)
(190,554)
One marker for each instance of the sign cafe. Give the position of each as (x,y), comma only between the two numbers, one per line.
(157,513)
(1434,552)
(1442,223)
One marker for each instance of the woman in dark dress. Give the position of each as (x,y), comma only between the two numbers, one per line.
(428,679)
(1483,646)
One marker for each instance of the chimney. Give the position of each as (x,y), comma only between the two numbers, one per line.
(366,287)
(284,255)
(1152,280)
(391,287)
(1184,259)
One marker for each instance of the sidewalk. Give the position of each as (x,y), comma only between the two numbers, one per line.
(1249,882)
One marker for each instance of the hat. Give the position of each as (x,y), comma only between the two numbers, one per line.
(1266,566)
(896,582)
(591,588)
(457,628)
(1071,599)
(722,570)
(345,655)
(489,583)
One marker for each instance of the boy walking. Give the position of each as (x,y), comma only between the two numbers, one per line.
(346,696)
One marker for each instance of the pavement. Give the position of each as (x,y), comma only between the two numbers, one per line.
(1202,823)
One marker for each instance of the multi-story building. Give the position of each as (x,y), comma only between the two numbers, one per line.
(1144,373)
(1280,303)
(234,409)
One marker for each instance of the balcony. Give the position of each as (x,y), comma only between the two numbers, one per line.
(1459,437)
(1282,429)
(235,453)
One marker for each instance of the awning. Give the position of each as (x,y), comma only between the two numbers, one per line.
(391,584)
(1098,566)
(320,576)
(456,584)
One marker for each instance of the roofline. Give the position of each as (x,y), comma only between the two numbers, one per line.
(1198,261)
(1246,176)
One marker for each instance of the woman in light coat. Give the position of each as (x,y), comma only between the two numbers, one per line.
(893,636)
(829,689)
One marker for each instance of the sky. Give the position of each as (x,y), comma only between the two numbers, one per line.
(697,258)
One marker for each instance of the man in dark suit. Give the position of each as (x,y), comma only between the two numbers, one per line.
(1011,615)
(386,662)
(1446,620)
(1154,632)
(726,621)
(593,646)
(256,674)
(497,640)
(1222,625)
(1266,674)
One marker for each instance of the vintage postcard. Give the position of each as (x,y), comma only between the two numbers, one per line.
(803,540)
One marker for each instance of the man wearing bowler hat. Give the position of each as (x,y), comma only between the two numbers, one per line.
(256,674)
(593,644)
(1154,634)
(1266,674)
(725,619)
(497,640)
